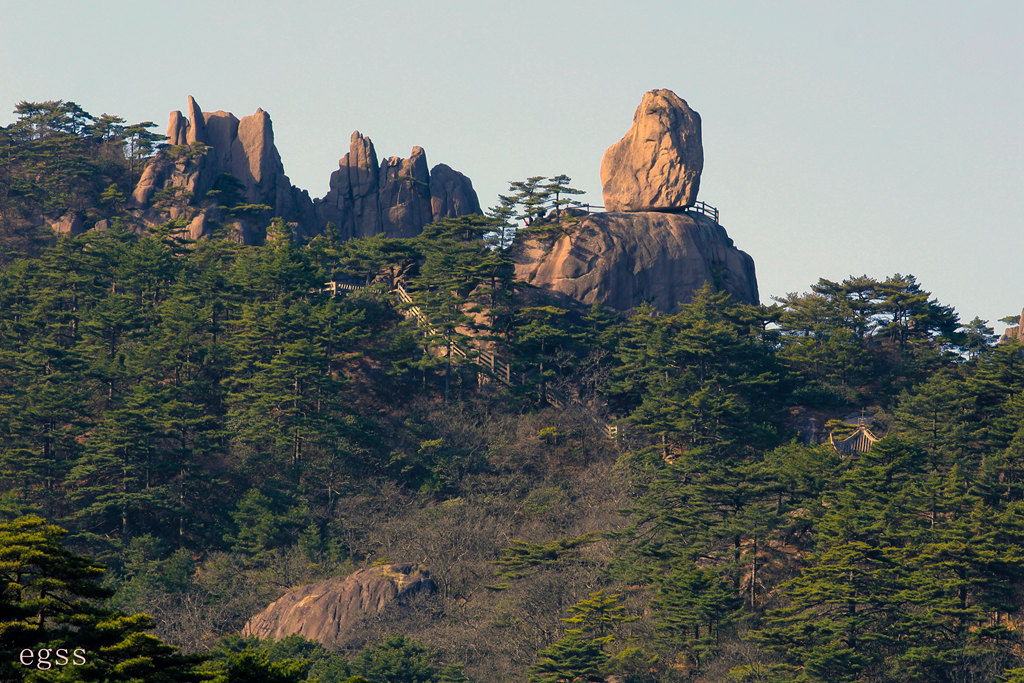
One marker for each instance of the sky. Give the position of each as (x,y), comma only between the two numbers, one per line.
(875,137)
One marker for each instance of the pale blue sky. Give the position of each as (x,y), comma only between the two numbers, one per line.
(877,137)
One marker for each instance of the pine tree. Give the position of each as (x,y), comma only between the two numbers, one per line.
(580,654)
(842,616)
(571,658)
(559,188)
(532,196)
(51,599)
(399,658)
(693,606)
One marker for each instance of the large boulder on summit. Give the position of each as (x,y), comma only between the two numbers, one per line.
(620,260)
(656,166)
(648,248)
(327,611)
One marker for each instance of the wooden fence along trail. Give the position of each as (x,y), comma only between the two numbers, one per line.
(699,207)
(499,367)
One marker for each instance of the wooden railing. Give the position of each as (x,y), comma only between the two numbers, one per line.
(699,207)
(485,358)
(706,209)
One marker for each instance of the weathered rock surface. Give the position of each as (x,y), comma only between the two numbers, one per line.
(242,148)
(328,610)
(656,166)
(70,223)
(1014,332)
(451,194)
(405,194)
(184,130)
(352,204)
(621,260)
(396,197)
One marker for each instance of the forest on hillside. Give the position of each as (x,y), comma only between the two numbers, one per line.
(189,429)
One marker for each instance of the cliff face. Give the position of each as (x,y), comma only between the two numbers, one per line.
(621,260)
(396,197)
(1014,332)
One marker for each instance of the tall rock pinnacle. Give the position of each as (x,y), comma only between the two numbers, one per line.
(243,149)
(396,197)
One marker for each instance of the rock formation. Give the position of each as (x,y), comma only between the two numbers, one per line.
(656,166)
(242,148)
(327,611)
(405,194)
(1014,332)
(621,260)
(70,223)
(352,203)
(396,197)
(451,194)
(647,248)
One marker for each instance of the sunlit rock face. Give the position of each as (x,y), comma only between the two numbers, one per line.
(221,145)
(396,197)
(328,611)
(647,248)
(620,260)
(1014,332)
(656,166)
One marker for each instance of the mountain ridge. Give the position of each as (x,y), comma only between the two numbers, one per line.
(395,197)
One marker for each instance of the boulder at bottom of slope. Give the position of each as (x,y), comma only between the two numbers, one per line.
(327,611)
(621,260)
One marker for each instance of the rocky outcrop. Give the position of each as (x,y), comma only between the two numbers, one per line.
(621,260)
(327,611)
(648,248)
(396,197)
(352,204)
(404,194)
(451,194)
(656,166)
(70,223)
(1014,332)
(218,143)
